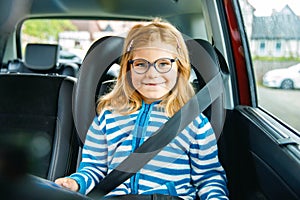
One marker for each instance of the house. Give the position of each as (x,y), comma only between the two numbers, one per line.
(88,31)
(277,35)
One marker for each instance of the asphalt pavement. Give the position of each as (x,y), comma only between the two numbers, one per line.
(284,104)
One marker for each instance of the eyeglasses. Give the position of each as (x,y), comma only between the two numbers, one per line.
(162,65)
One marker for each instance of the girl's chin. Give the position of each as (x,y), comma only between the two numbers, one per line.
(150,99)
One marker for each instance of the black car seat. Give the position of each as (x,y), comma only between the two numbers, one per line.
(42,59)
(107,51)
(36,117)
(37,132)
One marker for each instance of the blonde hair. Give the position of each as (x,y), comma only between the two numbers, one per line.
(124,98)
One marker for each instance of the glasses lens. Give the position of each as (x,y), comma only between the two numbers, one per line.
(163,65)
(140,66)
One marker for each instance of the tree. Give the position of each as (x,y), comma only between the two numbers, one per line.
(47,28)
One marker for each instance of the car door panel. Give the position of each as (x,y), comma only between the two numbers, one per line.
(261,164)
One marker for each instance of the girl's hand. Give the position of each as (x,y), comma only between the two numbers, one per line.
(68,183)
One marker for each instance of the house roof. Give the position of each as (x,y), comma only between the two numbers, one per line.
(280,25)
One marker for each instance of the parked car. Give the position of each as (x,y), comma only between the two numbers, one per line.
(44,114)
(286,78)
(68,57)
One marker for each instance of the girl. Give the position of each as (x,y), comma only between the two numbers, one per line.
(153,84)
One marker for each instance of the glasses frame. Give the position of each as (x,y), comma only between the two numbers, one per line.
(172,60)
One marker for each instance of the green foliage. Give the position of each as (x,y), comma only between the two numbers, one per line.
(279,59)
(47,28)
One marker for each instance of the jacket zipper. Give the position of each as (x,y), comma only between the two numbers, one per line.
(139,136)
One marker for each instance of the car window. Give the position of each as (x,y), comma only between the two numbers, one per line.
(73,36)
(273,31)
(76,36)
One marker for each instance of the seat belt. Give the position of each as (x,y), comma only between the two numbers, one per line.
(163,136)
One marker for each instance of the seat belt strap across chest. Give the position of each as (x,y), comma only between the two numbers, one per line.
(163,136)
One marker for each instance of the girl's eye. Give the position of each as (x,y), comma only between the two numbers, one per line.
(163,63)
(140,64)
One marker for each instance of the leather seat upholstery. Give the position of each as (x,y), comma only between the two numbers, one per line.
(36,115)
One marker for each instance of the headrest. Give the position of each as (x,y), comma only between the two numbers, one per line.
(41,56)
(107,51)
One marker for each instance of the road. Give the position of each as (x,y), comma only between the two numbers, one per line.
(284,104)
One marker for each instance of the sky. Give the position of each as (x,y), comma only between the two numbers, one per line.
(264,7)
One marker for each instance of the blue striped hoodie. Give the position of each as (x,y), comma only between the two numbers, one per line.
(187,167)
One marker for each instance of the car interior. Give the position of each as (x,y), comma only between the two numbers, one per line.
(47,107)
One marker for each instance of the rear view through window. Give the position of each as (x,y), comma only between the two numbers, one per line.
(73,36)
(274,37)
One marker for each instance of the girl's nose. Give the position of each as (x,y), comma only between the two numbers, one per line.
(152,72)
